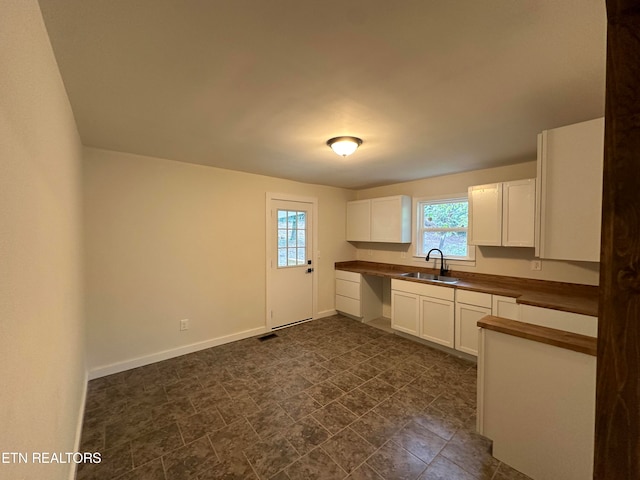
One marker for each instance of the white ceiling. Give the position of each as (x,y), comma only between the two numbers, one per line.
(431,86)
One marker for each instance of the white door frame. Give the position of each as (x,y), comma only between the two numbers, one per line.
(271,235)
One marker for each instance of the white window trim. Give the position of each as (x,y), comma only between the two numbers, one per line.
(471,258)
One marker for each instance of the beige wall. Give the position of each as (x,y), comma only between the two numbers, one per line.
(167,240)
(492,260)
(41,328)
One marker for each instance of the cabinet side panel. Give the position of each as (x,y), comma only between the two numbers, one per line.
(540,206)
(573,191)
(538,406)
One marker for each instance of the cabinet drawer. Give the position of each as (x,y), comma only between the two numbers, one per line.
(474,298)
(349,276)
(348,305)
(348,289)
(427,290)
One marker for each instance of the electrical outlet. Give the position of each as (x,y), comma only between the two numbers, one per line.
(184,324)
(536,265)
(370,252)
(403,254)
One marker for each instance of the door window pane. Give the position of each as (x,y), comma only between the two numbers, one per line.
(282,238)
(292,247)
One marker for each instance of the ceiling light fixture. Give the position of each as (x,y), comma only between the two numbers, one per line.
(344,145)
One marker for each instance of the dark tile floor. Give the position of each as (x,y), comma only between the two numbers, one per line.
(328,399)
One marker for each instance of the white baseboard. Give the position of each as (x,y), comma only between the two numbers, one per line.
(326,313)
(174,352)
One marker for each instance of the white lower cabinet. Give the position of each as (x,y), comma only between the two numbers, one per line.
(423,310)
(358,296)
(568,321)
(405,311)
(348,293)
(505,307)
(470,307)
(436,320)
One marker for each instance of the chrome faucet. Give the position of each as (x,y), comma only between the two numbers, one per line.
(443,269)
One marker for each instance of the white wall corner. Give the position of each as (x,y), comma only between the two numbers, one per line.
(79,423)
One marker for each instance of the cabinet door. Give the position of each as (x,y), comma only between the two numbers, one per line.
(467,330)
(359,221)
(405,310)
(436,321)
(485,214)
(391,219)
(518,213)
(570,164)
(505,307)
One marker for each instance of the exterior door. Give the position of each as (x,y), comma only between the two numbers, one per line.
(291,262)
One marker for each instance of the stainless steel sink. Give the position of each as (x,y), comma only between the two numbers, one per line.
(431,277)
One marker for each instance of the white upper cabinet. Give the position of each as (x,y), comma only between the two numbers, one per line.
(386,219)
(485,214)
(502,214)
(518,213)
(569,197)
(359,221)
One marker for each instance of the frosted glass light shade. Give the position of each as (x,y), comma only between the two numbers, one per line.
(344,145)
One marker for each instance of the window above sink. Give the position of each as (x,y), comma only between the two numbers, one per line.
(442,223)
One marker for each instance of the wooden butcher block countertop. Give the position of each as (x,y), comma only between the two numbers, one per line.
(568,297)
(550,336)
